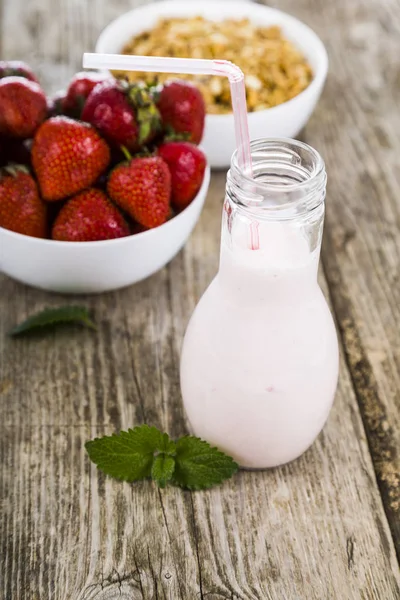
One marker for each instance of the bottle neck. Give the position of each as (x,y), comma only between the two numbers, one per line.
(272,223)
(288,180)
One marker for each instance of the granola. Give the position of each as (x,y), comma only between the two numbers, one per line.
(275,70)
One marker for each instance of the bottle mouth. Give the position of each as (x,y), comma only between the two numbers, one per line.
(288,179)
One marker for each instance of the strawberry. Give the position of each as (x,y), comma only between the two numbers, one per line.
(68,156)
(17,68)
(78,91)
(182,109)
(89,217)
(142,187)
(23,107)
(187,164)
(124,113)
(21,208)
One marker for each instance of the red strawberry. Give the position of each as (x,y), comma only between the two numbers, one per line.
(89,217)
(23,107)
(142,187)
(16,68)
(68,156)
(182,109)
(187,164)
(78,91)
(21,208)
(124,113)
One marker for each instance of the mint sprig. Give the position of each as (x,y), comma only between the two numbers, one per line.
(51,317)
(128,455)
(163,469)
(143,452)
(197,464)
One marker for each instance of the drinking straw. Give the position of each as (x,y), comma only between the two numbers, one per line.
(193,66)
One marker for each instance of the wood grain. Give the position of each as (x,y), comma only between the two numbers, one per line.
(313,530)
(354,129)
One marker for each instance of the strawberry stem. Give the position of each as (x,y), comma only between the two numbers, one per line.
(13,169)
(174,136)
(126,153)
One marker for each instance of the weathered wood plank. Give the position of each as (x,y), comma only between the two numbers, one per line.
(354,128)
(314,529)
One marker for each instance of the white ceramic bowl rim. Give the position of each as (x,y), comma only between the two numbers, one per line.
(121,240)
(319,74)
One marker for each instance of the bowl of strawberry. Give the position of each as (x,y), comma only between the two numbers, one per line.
(100,185)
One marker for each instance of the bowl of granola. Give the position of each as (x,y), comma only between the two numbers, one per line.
(284,62)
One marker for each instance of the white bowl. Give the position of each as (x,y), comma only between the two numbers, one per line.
(93,267)
(284,120)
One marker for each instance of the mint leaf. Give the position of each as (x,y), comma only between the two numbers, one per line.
(162,469)
(128,455)
(198,466)
(51,317)
(143,452)
(166,445)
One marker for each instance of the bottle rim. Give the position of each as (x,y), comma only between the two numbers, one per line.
(288,179)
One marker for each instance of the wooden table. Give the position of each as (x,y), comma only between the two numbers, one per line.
(325,527)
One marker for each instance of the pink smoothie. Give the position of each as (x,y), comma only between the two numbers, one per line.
(259,363)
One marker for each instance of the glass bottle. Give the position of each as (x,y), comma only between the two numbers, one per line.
(259,363)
